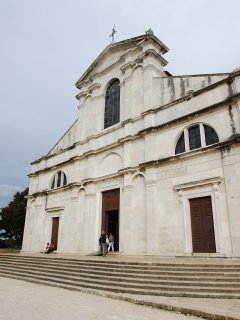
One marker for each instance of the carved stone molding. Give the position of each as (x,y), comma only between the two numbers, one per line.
(198,183)
(53,211)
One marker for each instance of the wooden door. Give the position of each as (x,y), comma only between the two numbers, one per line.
(203,237)
(55,226)
(110,202)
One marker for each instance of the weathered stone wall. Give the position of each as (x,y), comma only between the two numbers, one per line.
(137,155)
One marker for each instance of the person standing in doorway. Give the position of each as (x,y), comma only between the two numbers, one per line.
(103,243)
(111,242)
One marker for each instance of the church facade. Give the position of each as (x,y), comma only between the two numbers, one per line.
(152,158)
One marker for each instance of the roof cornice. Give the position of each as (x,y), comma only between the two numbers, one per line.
(163,49)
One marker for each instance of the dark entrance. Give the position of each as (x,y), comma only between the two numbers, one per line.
(110,214)
(203,238)
(55,225)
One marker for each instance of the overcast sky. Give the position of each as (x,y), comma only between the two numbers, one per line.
(46,45)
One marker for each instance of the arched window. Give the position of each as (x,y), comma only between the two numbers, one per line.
(180,147)
(210,135)
(195,137)
(112,104)
(59,180)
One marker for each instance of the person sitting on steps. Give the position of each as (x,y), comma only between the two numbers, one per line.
(47,247)
(50,247)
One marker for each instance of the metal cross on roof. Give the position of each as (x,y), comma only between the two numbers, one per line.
(113,32)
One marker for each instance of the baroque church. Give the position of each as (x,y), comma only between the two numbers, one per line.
(152,158)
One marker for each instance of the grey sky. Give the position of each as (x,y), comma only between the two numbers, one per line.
(46,46)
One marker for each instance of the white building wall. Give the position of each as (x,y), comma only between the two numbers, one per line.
(137,155)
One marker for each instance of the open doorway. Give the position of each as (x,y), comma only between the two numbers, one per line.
(110,214)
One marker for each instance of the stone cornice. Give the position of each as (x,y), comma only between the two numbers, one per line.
(192,153)
(53,210)
(102,178)
(171,122)
(98,74)
(140,134)
(191,93)
(155,54)
(189,115)
(56,190)
(129,42)
(198,183)
(154,163)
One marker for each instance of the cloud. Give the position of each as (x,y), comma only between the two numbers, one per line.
(6,193)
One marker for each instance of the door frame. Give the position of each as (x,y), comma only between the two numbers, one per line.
(200,215)
(118,209)
(58,219)
(56,212)
(200,189)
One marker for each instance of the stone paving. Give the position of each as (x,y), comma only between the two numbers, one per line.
(230,308)
(141,259)
(21,300)
(212,308)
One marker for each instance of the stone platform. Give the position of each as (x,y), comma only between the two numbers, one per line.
(208,288)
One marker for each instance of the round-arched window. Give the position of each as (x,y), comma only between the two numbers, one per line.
(59,180)
(196,136)
(112,104)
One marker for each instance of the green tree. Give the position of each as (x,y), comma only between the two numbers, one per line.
(13,219)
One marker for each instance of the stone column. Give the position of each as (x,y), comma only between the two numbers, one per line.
(186,140)
(73,224)
(202,134)
(125,234)
(151,216)
(127,112)
(137,91)
(27,226)
(127,154)
(138,216)
(125,215)
(151,151)
(89,223)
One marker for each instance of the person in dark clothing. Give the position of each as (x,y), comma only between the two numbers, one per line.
(103,243)
(50,248)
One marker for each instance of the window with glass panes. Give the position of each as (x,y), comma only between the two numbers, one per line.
(112,104)
(195,139)
(59,180)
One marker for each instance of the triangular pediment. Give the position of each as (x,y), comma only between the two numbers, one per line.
(118,51)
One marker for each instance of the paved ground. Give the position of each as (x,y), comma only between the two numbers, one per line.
(21,300)
(111,309)
(115,257)
(230,308)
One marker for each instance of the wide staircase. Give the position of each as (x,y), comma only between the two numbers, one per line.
(121,277)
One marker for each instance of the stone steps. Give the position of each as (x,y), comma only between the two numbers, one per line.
(135,283)
(130,267)
(102,261)
(188,280)
(227,275)
(83,286)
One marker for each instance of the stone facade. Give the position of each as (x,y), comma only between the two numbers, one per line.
(138,156)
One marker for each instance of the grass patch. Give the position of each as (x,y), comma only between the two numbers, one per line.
(5,250)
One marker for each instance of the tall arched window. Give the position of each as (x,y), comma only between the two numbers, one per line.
(112,104)
(59,180)
(195,137)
